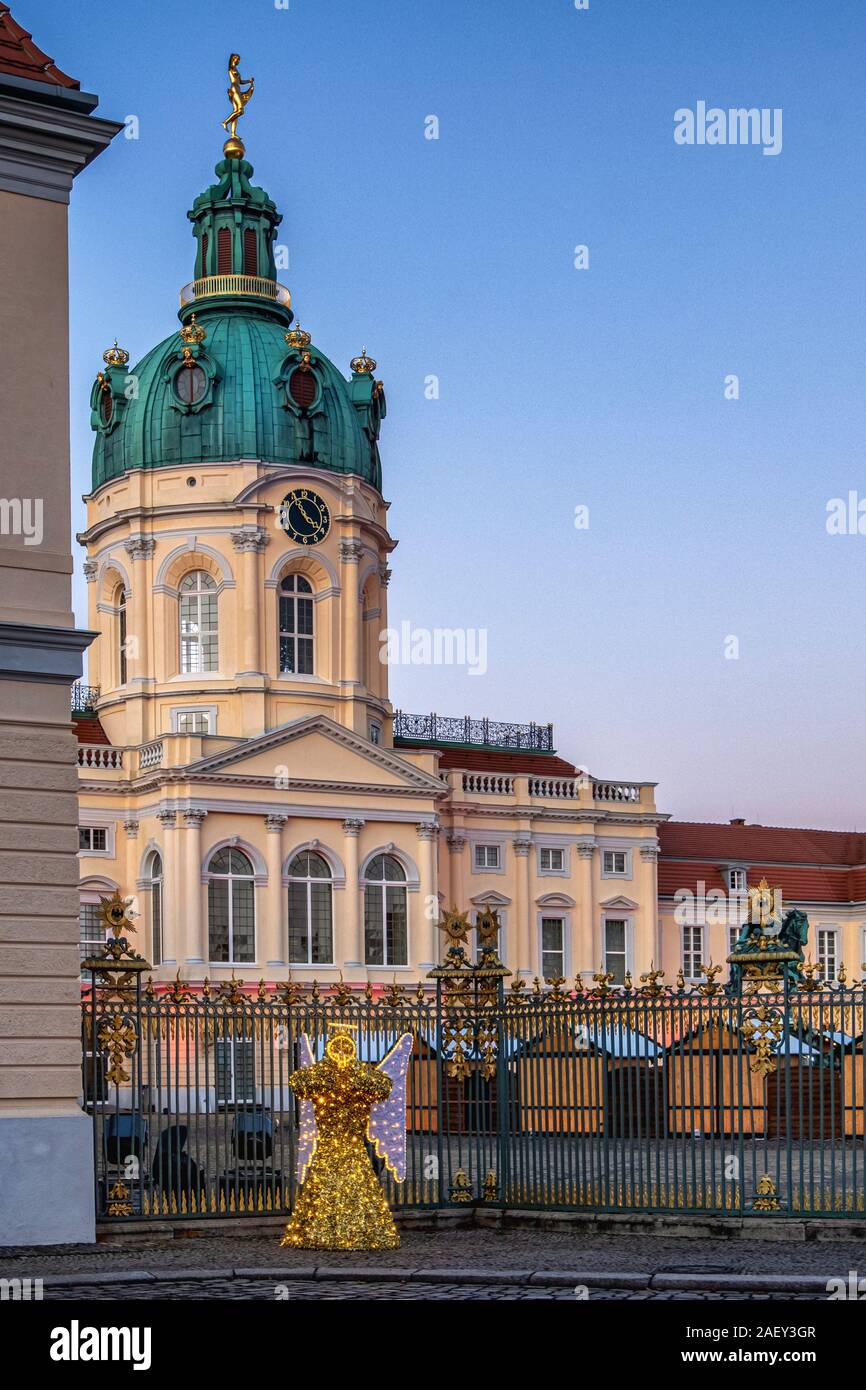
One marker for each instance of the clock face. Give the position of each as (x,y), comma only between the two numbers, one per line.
(305,517)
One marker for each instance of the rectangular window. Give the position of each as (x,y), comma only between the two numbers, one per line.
(92,837)
(552,860)
(235,1071)
(487,856)
(311,932)
(693,952)
(737,880)
(375,732)
(827,954)
(91,930)
(615,962)
(552,948)
(733,938)
(193,722)
(615,861)
(156,921)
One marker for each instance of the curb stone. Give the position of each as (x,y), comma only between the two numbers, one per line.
(756,1283)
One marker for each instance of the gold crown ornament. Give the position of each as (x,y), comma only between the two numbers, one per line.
(363,365)
(115,356)
(298,337)
(193,332)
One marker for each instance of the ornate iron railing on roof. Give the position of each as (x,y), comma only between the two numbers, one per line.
(468,732)
(256,286)
(84,698)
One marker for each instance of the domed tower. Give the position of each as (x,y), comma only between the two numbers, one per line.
(237,542)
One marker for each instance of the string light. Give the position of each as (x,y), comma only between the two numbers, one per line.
(341,1205)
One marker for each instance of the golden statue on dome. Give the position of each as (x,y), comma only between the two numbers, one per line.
(234,147)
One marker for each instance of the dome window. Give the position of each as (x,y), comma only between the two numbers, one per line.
(251,257)
(303,388)
(106,406)
(224,251)
(191,384)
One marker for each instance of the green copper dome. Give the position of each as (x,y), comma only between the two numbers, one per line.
(233,383)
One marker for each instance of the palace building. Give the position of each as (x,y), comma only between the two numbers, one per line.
(243,774)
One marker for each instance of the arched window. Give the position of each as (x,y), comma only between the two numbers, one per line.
(296,626)
(204,246)
(385,916)
(311,924)
(224,251)
(251,255)
(199,645)
(121,636)
(154,874)
(231,914)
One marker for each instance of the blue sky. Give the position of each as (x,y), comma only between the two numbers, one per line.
(558,387)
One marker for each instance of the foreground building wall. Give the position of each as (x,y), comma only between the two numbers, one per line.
(47,135)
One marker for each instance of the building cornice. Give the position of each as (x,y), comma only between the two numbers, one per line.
(47,138)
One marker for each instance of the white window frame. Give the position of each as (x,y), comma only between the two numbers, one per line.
(616,873)
(231,879)
(108,827)
(833,933)
(292,598)
(561,872)
(629,938)
(554,914)
(227,1047)
(308,880)
(194,640)
(730,874)
(209,711)
(690,972)
(487,868)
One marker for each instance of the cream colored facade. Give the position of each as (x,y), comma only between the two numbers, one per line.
(291,763)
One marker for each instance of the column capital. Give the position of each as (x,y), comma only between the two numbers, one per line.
(194,818)
(250,538)
(649,853)
(131,828)
(585,849)
(427,829)
(456,841)
(522,845)
(167,819)
(274,823)
(90,569)
(384,575)
(139,547)
(350,550)
(352,827)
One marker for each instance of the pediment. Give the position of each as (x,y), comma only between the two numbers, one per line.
(619,903)
(490,899)
(316,750)
(555,900)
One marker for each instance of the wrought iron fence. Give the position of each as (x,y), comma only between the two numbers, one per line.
(637,1099)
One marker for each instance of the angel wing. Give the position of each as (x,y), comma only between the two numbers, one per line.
(387,1125)
(308,1134)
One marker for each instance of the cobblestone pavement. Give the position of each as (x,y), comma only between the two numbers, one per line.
(381,1290)
(470,1248)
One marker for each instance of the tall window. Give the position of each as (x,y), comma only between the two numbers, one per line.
(615,955)
(251,255)
(311,926)
(296,626)
(235,1071)
(693,951)
(231,917)
(121,636)
(154,873)
(385,915)
(91,930)
(224,251)
(199,643)
(552,947)
(827,954)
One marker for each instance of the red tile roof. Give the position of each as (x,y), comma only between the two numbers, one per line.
(89,730)
(502,760)
(20,56)
(808,865)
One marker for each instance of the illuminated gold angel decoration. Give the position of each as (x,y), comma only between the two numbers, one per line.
(344,1103)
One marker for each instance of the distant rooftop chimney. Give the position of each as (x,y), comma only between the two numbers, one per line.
(738,820)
